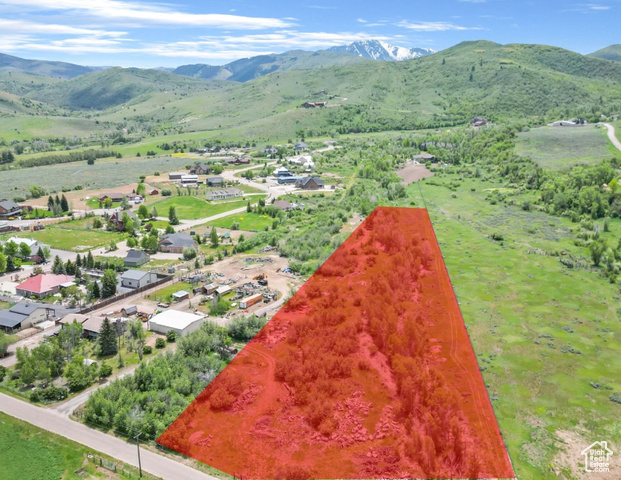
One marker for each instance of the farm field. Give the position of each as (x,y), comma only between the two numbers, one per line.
(30,453)
(543,334)
(252,222)
(73,239)
(103,174)
(563,147)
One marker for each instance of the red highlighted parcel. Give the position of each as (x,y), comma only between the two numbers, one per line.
(367,372)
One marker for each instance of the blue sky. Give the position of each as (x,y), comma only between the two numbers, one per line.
(176,32)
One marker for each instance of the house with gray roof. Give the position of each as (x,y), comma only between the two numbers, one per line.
(176,242)
(8,208)
(310,183)
(26,314)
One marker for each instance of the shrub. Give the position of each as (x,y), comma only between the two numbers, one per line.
(105,370)
(3,371)
(147,350)
(166,192)
(160,343)
(171,336)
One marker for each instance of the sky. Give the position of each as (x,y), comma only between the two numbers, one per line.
(177,32)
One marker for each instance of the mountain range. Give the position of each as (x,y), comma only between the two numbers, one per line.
(378,50)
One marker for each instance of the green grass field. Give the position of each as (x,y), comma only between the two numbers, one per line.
(524,313)
(165,294)
(558,147)
(66,237)
(30,453)
(187,208)
(252,222)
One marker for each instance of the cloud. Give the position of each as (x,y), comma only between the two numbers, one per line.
(140,13)
(361,20)
(433,26)
(22,26)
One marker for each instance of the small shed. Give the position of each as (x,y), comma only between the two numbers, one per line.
(180,295)
(129,310)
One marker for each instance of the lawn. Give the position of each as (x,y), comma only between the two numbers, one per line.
(252,222)
(558,147)
(165,294)
(30,453)
(187,207)
(72,239)
(525,313)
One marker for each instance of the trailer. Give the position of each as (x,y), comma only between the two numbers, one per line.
(249,301)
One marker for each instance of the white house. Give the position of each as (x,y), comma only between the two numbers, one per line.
(180,322)
(137,279)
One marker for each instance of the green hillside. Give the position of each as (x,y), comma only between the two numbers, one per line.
(613,52)
(114,87)
(247,69)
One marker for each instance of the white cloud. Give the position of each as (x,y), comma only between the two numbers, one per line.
(361,20)
(433,26)
(21,26)
(140,13)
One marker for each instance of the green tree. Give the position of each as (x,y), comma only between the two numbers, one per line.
(90,261)
(108,283)
(138,335)
(5,341)
(143,211)
(107,338)
(172,216)
(154,213)
(95,291)
(2,262)
(597,250)
(10,249)
(64,204)
(58,267)
(213,237)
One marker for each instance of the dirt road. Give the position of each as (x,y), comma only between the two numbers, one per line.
(611,135)
(153,463)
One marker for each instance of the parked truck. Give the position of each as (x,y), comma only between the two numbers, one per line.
(249,301)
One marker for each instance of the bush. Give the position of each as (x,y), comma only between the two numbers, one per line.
(171,336)
(105,370)
(3,371)
(160,343)
(49,394)
(166,192)
(147,350)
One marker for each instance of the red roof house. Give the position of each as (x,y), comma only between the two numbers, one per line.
(41,285)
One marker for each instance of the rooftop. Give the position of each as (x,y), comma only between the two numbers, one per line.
(176,319)
(43,282)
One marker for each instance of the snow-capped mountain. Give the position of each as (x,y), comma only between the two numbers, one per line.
(378,50)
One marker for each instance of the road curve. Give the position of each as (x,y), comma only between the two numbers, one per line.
(611,135)
(46,419)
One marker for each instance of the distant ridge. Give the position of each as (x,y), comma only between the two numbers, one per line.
(378,50)
(9,63)
(613,52)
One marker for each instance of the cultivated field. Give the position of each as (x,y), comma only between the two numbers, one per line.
(564,147)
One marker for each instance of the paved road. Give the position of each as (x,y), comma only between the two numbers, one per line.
(611,135)
(153,463)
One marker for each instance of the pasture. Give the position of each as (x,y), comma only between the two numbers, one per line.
(547,337)
(557,148)
(72,238)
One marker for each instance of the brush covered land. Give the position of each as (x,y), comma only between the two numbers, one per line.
(530,237)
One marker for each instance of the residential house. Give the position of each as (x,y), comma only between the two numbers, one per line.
(200,169)
(176,175)
(115,197)
(181,323)
(282,172)
(238,161)
(283,205)
(9,208)
(91,328)
(33,244)
(224,194)
(424,157)
(41,285)
(270,151)
(563,123)
(176,242)
(24,315)
(136,258)
(310,183)
(215,181)
(137,279)
(299,146)
(117,218)
(134,199)
(73,317)
(5,227)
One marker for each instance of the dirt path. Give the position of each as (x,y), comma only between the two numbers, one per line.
(611,135)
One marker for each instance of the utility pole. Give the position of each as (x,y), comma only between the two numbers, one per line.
(137,437)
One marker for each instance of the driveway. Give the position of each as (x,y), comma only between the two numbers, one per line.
(157,465)
(611,135)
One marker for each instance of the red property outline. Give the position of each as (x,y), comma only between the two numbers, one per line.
(367,372)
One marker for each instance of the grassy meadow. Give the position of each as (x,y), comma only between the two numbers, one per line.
(563,147)
(71,237)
